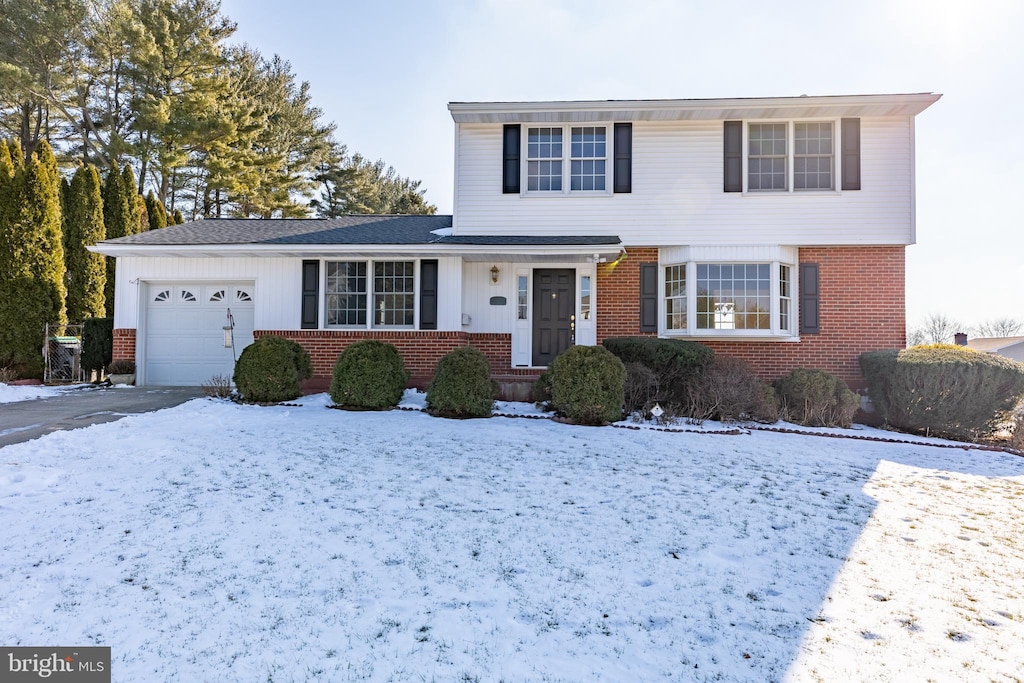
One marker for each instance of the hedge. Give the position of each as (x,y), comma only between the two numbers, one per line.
(816,398)
(97,343)
(943,389)
(674,364)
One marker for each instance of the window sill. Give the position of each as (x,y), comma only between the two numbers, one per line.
(560,193)
(728,336)
(791,193)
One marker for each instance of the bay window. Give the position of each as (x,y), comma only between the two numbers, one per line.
(750,299)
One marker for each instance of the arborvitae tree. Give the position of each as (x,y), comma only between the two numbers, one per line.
(7,253)
(83,226)
(34,279)
(140,203)
(156,212)
(133,224)
(116,216)
(179,218)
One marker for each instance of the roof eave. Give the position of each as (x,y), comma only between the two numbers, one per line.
(909,104)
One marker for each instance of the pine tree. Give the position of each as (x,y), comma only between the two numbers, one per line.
(116,216)
(156,212)
(33,281)
(140,204)
(179,218)
(83,226)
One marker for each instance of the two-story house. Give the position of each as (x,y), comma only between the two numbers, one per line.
(772,229)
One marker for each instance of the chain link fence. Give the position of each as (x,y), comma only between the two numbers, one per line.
(62,353)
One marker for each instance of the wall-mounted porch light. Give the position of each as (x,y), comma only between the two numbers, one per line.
(494,275)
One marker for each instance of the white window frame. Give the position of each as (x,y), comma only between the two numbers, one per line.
(773,332)
(370,293)
(567,158)
(837,181)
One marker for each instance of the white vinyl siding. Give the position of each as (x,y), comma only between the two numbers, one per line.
(278,285)
(677,195)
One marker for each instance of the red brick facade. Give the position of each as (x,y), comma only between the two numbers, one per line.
(862,308)
(420,350)
(124,344)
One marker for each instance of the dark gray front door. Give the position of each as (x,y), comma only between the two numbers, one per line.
(554,309)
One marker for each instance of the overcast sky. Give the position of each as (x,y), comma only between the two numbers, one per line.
(385,71)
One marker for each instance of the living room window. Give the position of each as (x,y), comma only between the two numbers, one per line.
(388,299)
(728,299)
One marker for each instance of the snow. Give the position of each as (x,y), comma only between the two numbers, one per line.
(12,393)
(293,543)
(443,232)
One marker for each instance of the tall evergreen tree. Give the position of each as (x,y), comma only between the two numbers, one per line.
(133,223)
(34,278)
(117,212)
(8,295)
(142,212)
(156,212)
(83,226)
(179,218)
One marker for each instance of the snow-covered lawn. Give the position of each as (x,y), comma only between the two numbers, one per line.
(214,541)
(10,393)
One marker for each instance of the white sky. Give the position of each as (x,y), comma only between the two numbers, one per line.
(384,71)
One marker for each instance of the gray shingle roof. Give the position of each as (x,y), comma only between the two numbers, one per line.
(346,230)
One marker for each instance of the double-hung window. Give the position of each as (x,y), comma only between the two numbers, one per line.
(578,167)
(383,292)
(796,156)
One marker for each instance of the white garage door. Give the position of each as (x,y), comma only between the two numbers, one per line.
(184,329)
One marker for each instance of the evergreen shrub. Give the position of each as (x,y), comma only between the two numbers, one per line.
(728,390)
(462,385)
(816,398)
(271,370)
(943,389)
(542,388)
(673,362)
(587,383)
(369,374)
(97,343)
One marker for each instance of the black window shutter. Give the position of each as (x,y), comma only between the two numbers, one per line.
(851,154)
(623,157)
(810,322)
(310,295)
(428,295)
(733,156)
(510,160)
(648,297)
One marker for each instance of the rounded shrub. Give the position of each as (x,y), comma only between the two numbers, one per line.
(462,385)
(586,385)
(674,364)
(542,388)
(369,374)
(271,370)
(943,389)
(816,398)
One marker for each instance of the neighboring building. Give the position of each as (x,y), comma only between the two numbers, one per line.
(1010,347)
(772,229)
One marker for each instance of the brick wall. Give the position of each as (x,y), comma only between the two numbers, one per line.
(862,308)
(420,350)
(618,294)
(124,344)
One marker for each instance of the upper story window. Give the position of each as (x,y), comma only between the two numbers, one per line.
(770,156)
(580,166)
(544,160)
(812,156)
(588,158)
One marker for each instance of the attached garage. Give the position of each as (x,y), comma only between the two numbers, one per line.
(183,341)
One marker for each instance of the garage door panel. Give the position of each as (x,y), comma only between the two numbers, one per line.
(184,331)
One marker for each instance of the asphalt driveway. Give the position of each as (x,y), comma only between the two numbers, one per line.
(26,420)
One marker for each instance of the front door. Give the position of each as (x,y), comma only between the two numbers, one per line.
(554,313)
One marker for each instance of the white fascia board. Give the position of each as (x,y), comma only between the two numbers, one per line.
(678,110)
(316,250)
